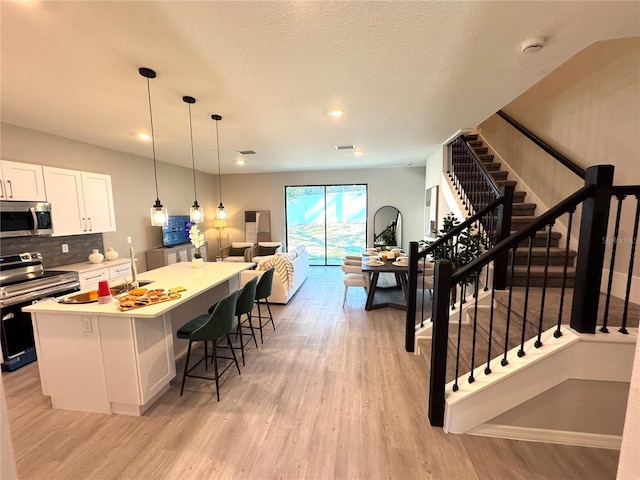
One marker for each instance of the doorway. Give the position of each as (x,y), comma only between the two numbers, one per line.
(329,220)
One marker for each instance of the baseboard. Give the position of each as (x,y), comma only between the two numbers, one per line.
(562,437)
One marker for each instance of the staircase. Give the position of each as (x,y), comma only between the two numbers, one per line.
(523,213)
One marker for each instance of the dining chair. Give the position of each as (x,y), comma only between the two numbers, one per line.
(425,278)
(244,306)
(263,290)
(211,327)
(353,277)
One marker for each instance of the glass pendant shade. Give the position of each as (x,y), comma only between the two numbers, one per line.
(196,213)
(159,215)
(221,214)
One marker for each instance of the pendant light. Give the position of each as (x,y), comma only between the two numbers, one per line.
(196,212)
(221,214)
(159,214)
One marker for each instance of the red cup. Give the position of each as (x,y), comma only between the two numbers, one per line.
(103,289)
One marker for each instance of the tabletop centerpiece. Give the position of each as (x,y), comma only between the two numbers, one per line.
(196,237)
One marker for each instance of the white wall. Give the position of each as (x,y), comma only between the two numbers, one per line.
(134,189)
(402,188)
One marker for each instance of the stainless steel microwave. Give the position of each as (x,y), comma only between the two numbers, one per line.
(25,219)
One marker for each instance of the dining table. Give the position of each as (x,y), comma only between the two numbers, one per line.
(401,272)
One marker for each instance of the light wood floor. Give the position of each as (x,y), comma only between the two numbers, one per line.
(330,394)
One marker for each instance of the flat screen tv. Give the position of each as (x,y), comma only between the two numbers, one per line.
(177,231)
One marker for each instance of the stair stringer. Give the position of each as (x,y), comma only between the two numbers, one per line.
(572,356)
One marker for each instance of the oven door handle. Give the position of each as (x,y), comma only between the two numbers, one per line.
(38,294)
(35,220)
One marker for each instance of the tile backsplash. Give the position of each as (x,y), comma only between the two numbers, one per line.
(80,247)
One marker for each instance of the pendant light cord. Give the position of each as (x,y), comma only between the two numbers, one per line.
(219,174)
(153,141)
(193,161)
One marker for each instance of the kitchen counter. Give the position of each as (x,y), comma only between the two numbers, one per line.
(95,358)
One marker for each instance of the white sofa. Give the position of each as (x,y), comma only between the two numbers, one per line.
(284,285)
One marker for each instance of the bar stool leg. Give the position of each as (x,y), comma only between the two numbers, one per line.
(186,367)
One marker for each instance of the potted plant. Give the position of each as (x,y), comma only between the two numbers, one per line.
(197,239)
(460,250)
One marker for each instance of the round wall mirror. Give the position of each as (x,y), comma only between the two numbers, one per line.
(387,227)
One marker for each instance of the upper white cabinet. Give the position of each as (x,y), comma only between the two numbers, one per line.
(81,202)
(21,181)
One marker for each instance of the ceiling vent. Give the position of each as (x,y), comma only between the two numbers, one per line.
(345,147)
(246,152)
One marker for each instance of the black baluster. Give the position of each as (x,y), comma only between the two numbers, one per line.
(521,352)
(538,342)
(504,361)
(612,263)
(558,332)
(632,257)
(475,329)
(487,369)
(455,381)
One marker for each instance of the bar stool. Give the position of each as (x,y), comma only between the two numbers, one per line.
(211,327)
(244,306)
(263,290)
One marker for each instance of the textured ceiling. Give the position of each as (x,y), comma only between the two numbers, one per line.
(409,74)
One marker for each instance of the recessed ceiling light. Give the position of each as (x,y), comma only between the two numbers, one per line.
(144,136)
(336,112)
(357,152)
(240,161)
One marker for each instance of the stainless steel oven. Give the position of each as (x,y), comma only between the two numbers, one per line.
(24,281)
(25,219)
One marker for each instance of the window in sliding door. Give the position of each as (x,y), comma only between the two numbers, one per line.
(329,220)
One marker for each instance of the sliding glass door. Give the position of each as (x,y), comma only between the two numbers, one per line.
(329,220)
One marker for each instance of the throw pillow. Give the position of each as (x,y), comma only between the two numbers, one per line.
(264,251)
(236,252)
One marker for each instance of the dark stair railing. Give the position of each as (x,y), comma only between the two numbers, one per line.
(492,222)
(595,199)
(564,160)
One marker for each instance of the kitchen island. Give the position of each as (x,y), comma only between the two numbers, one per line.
(95,358)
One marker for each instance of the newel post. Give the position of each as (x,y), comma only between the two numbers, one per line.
(439,340)
(410,319)
(503,230)
(590,258)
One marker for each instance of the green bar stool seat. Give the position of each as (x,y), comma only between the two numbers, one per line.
(211,327)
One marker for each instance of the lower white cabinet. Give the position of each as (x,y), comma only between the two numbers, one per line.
(90,275)
(89,280)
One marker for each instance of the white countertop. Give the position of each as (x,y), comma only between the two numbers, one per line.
(88,266)
(195,280)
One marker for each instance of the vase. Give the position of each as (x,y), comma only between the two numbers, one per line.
(96,257)
(111,254)
(197,262)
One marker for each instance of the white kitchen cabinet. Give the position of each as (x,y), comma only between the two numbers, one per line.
(89,280)
(90,274)
(81,202)
(119,272)
(160,257)
(21,181)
